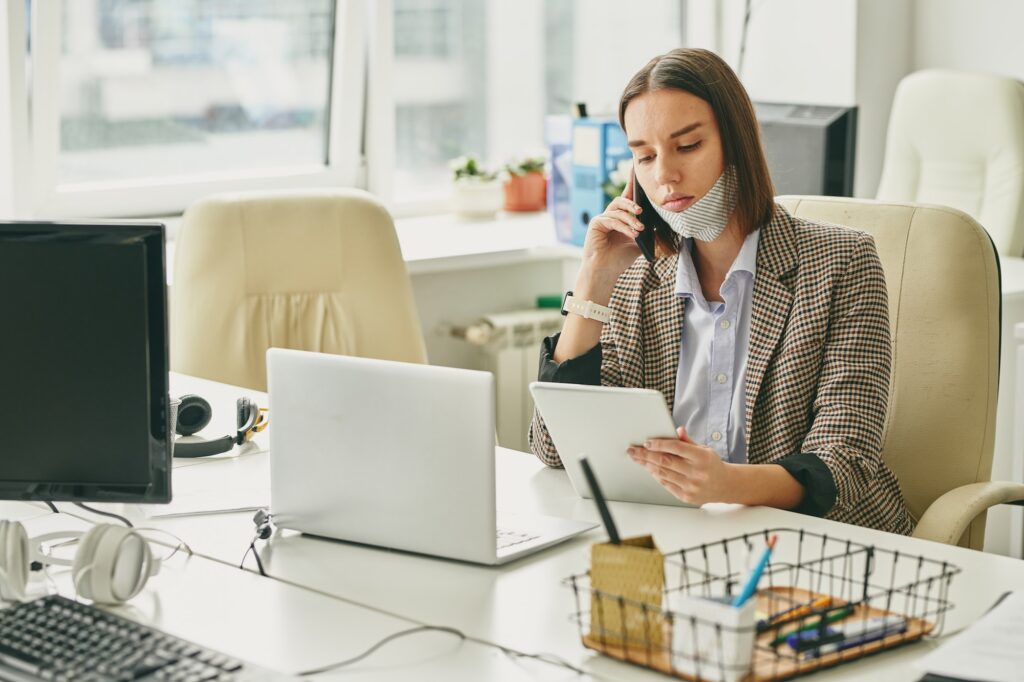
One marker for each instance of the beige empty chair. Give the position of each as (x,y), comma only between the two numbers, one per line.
(943,279)
(317,270)
(957,139)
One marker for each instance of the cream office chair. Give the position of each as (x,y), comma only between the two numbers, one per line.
(316,270)
(957,139)
(944,307)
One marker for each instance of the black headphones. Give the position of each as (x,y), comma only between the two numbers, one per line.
(194,414)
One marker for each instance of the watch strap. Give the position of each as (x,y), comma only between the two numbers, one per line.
(585,309)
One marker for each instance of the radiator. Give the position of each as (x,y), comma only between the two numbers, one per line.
(510,345)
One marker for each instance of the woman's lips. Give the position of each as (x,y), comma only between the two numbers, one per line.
(677,204)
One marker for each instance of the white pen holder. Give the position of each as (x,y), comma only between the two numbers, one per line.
(712,639)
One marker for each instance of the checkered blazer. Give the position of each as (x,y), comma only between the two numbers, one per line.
(818,365)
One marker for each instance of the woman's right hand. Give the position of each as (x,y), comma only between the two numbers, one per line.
(609,249)
(610,246)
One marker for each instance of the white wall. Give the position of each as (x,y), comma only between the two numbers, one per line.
(885,30)
(839,53)
(604,59)
(515,67)
(976,35)
(797,50)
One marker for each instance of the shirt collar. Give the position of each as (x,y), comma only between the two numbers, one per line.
(687,282)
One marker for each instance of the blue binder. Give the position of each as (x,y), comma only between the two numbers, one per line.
(598,145)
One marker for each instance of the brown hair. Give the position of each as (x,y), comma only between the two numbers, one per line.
(706,75)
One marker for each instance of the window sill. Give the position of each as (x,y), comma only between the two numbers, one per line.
(444,243)
(447,242)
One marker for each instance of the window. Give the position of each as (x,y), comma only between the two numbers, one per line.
(478,76)
(122,108)
(153,88)
(142,106)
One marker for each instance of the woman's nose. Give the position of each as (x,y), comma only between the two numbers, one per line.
(665,173)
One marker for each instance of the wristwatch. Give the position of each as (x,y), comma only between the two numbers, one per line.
(586,309)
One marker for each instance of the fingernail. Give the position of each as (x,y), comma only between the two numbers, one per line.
(647,444)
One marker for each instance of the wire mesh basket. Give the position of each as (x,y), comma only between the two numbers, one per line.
(821,601)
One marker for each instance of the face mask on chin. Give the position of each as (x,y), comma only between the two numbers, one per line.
(707,217)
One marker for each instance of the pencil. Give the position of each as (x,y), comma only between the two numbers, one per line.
(602,507)
(799,611)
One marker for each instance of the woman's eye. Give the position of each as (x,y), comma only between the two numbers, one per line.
(644,159)
(689,147)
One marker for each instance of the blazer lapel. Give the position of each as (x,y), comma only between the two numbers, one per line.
(771,303)
(661,328)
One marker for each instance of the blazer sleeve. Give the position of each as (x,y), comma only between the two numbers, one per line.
(598,366)
(853,386)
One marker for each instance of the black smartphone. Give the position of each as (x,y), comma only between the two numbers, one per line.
(649,217)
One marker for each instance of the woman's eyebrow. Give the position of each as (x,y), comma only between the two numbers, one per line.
(682,131)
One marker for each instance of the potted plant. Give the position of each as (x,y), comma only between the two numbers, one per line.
(526,187)
(617,179)
(476,191)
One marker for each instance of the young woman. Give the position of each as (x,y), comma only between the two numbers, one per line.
(767,334)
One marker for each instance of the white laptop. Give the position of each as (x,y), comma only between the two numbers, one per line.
(395,455)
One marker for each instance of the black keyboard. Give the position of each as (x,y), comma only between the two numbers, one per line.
(53,638)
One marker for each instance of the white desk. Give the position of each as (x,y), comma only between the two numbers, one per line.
(524,605)
(287,627)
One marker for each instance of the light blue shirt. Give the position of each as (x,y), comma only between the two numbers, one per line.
(711,383)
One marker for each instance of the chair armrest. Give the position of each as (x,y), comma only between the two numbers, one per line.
(948,517)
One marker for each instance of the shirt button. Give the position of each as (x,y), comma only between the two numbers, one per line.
(721,378)
(716,436)
(724,324)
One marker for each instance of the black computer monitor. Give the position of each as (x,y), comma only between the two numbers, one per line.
(83,363)
(810,149)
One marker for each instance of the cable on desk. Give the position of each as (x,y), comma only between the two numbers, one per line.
(52,507)
(104,513)
(389,638)
(511,653)
(256,554)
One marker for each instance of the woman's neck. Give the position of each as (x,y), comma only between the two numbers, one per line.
(713,259)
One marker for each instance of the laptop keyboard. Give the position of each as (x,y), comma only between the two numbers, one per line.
(508,537)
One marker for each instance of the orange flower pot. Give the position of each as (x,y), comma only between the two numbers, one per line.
(527,192)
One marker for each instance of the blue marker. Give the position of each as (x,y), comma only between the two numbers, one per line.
(755,577)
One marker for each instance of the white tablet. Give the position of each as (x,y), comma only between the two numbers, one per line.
(600,422)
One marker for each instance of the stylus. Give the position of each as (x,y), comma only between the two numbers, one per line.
(602,507)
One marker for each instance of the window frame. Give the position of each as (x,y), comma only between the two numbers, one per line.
(32,140)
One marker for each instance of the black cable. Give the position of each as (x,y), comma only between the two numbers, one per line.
(551,659)
(256,554)
(52,507)
(743,39)
(103,513)
(389,638)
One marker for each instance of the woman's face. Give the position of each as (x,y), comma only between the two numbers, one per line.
(677,150)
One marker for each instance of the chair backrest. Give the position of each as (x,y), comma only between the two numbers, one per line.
(942,273)
(317,270)
(957,139)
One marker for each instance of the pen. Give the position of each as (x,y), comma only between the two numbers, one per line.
(871,630)
(755,575)
(595,491)
(795,613)
(830,617)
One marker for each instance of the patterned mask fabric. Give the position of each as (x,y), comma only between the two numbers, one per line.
(706,218)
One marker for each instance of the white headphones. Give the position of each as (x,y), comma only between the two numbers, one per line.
(111,564)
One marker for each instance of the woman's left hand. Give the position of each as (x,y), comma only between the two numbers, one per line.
(693,473)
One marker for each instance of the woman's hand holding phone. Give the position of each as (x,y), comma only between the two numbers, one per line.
(610,246)
(609,249)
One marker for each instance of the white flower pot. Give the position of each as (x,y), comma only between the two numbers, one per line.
(476,199)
